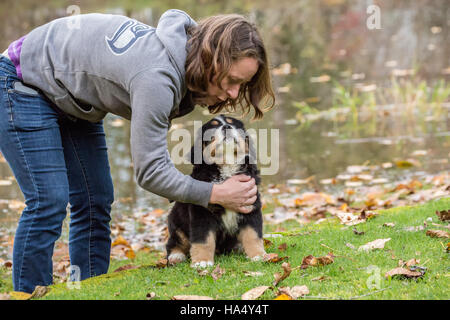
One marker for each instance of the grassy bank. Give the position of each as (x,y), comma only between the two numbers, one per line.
(349,276)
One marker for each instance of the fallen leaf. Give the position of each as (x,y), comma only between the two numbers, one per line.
(130,254)
(217,272)
(443,215)
(311,261)
(120,241)
(18,295)
(437,234)
(151,295)
(273,257)
(389,224)
(286,272)
(162,263)
(321,278)
(412,262)
(191,297)
(376,244)
(403,272)
(294,292)
(359,233)
(283,297)
(126,267)
(254,293)
(253,273)
(267,243)
(39,292)
(282,247)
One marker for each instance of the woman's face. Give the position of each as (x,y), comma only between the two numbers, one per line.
(241,71)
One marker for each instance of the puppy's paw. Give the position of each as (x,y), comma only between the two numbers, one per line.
(202,264)
(176,257)
(257,258)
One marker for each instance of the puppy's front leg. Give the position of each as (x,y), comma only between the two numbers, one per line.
(202,253)
(253,245)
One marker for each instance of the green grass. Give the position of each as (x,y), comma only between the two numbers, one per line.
(346,278)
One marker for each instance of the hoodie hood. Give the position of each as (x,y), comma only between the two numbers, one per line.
(172,31)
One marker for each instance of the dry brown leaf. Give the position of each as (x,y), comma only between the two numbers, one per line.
(286,272)
(389,224)
(273,257)
(150,295)
(321,278)
(358,233)
(120,241)
(162,263)
(254,293)
(443,215)
(126,267)
(282,247)
(311,261)
(39,292)
(217,272)
(412,262)
(437,234)
(294,292)
(191,297)
(376,244)
(403,272)
(253,273)
(267,243)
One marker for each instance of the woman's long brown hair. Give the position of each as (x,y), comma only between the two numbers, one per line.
(214,44)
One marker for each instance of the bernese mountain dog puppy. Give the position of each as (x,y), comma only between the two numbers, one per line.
(225,151)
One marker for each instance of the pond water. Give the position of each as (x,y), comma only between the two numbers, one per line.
(345,94)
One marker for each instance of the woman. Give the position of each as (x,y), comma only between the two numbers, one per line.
(57,84)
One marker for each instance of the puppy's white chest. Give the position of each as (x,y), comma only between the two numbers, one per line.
(230,221)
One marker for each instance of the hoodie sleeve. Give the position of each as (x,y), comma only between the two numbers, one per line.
(152,97)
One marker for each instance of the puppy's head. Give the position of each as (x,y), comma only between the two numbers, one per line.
(222,141)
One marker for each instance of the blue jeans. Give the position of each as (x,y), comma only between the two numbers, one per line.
(55,161)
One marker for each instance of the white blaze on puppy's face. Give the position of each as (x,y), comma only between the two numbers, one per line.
(227,146)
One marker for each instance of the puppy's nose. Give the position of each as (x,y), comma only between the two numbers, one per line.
(227,127)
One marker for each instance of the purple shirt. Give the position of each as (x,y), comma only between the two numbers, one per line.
(14,54)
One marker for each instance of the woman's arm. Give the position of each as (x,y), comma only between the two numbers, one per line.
(152,94)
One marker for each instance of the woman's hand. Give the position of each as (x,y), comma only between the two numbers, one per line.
(237,193)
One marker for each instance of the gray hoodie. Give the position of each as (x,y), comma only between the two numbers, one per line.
(92,64)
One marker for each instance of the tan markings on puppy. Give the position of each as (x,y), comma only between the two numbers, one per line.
(184,245)
(178,253)
(253,245)
(204,252)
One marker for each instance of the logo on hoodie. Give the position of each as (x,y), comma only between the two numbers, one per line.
(126,36)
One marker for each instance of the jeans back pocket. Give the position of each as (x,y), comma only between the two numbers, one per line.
(26,106)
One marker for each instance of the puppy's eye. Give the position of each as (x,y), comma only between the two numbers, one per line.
(229,120)
(214,122)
